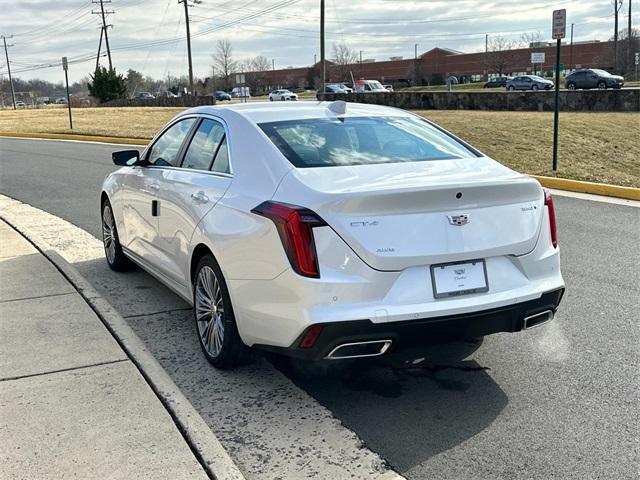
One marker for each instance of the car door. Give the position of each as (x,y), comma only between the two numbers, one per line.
(141,207)
(188,193)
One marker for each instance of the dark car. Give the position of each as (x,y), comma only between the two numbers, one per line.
(220,95)
(497,82)
(529,82)
(593,78)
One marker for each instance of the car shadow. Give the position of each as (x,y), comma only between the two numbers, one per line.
(408,408)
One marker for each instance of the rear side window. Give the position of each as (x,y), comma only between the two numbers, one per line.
(362,141)
(164,153)
(204,146)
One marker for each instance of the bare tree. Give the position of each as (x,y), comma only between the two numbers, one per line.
(499,55)
(259,64)
(223,61)
(258,76)
(343,56)
(531,39)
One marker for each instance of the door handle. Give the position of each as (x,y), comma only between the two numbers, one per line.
(154,186)
(199,197)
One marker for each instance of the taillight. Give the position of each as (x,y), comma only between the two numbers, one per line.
(295,227)
(548,201)
(309,339)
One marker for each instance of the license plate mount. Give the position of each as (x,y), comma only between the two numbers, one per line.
(459,278)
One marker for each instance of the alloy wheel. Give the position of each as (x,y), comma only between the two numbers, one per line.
(209,311)
(108,234)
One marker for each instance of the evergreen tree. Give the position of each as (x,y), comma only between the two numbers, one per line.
(107,85)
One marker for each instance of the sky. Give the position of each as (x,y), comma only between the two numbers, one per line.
(150,35)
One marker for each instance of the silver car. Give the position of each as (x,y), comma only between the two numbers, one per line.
(529,82)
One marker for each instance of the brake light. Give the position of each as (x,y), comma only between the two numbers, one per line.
(548,201)
(295,227)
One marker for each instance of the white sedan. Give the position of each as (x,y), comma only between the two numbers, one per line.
(282,95)
(332,230)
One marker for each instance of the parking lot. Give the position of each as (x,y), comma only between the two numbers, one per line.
(555,402)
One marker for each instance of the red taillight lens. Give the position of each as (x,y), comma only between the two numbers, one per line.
(548,201)
(295,226)
(309,339)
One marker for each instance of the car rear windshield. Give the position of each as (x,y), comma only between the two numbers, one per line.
(362,141)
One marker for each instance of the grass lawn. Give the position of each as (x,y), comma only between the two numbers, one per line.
(597,147)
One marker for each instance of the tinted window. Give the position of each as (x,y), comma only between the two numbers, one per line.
(164,152)
(204,145)
(221,163)
(361,141)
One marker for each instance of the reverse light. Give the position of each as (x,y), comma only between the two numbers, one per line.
(295,227)
(548,201)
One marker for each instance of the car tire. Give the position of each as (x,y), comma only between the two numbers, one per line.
(602,86)
(116,259)
(271,99)
(511,88)
(214,319)
(571,86)
(283,98)
(534,88)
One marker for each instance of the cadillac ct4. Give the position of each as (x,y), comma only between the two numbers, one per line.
(332,231)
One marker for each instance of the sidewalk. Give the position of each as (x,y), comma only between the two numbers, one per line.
(72,404)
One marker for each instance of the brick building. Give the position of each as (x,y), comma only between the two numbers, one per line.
(438,63)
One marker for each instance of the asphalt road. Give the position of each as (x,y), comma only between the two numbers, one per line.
(560,401)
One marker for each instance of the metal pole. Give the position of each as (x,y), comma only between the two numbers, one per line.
(106,37)
(629,36)
(571,50)
(66,79)
(323,68)
(556,110)
(6,54)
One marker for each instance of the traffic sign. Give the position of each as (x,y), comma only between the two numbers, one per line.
(637,58)
(562,67)
(559,24)
(65,64)
(537,57)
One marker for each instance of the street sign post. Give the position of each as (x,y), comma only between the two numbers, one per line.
(559,29)
(65,67)
(637,62)
(537,58)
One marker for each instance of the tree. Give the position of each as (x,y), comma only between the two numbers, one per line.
(223,61)
(258,76)
(259,64)
(134,82)
(107,85)
(499,55)
(629,42)
(531,39)
(343,56)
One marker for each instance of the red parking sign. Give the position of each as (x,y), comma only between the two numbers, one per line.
(559,24)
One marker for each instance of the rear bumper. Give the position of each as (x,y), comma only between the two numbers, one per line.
(412,333)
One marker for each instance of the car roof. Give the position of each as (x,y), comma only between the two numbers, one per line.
(261,112)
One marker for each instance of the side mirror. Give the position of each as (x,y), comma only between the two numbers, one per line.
(126,158)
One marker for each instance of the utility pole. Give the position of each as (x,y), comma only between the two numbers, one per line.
(415,64)
(273,64)
(617,5)
(6,54)
(323,68)
(629,38)
(186,20)
(571,50)
(104,14)
(486,53)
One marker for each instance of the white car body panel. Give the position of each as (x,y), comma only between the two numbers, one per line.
(387,224)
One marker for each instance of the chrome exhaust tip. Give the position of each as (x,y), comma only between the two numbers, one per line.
(371,348)
(538,319)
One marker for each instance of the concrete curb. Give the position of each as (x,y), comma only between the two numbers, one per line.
(629,193)
(202,441)
(78,137)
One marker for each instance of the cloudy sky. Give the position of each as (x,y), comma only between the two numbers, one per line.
(149,35)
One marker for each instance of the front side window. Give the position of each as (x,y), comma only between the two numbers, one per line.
(204,145)
(164,153)
(362,141)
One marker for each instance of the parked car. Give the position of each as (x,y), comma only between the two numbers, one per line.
(346,87)
(61,100)
(593,78)
(497,82)
(373,86)
(335,88)
(220,95)
(529,82)
(282,95)
(389,88)
(20,104)
(330,230)
(165,94)
(144,96)
(241,92)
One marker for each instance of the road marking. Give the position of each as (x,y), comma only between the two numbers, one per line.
(596,198)
(34,139)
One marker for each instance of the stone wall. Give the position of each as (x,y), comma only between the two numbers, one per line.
(184,101)
(625,100)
